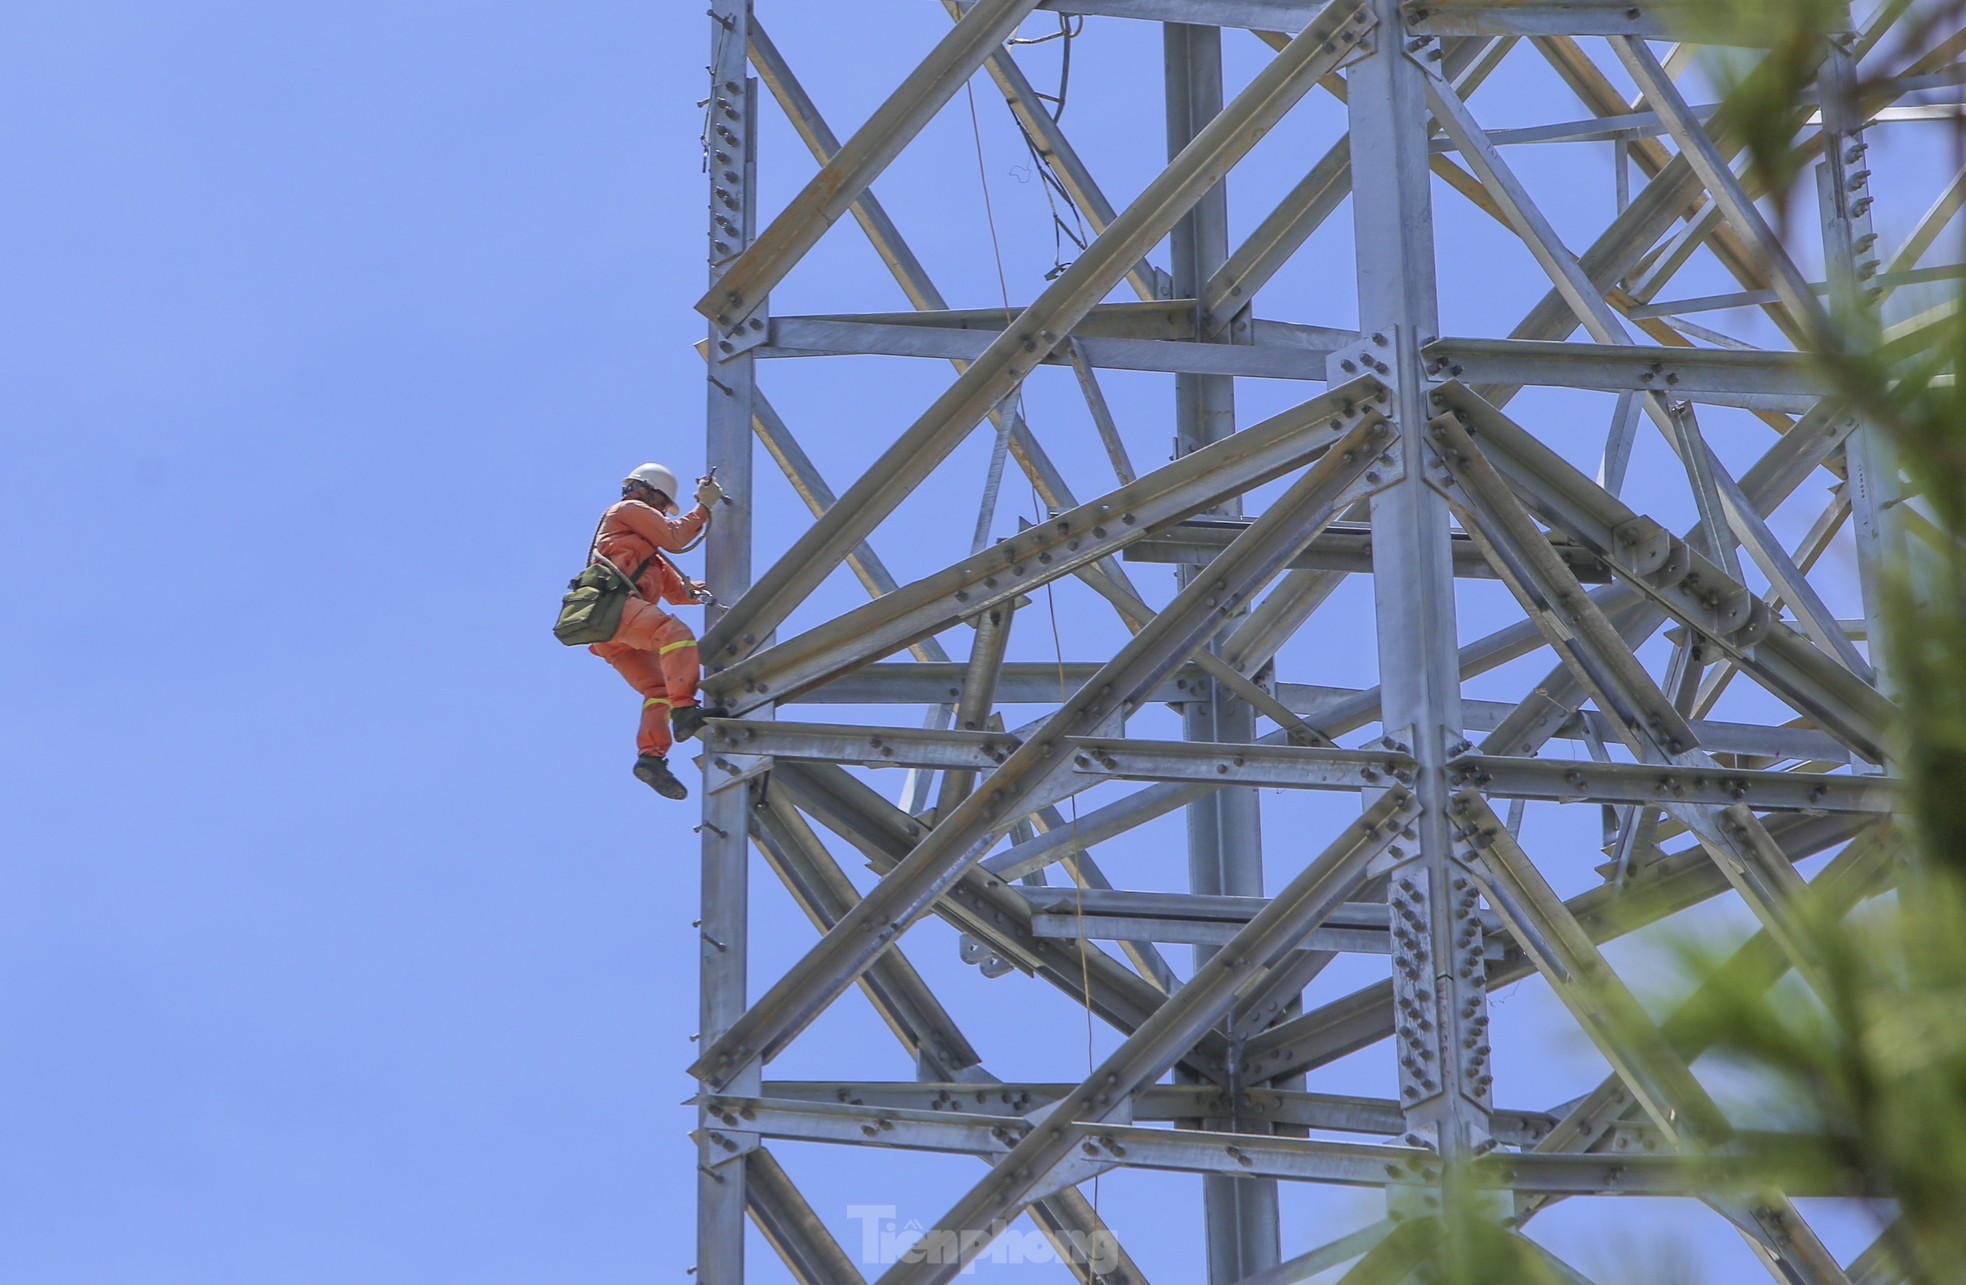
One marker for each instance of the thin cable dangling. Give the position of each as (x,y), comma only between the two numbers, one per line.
(1051,603)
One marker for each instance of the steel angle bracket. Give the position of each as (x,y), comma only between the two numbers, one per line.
(723,1137)
(980,955)
(1361,48)
(1674,785)
(1253,764)
(1422,47)
(1649,552)
(740,334)
(722,771)
(1461,18)
(879,747)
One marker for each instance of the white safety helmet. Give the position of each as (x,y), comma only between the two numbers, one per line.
(654,475)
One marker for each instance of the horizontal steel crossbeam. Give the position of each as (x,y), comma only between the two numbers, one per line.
(1343,546)
(1249,1155)
(1335,1113)
(1760,380)
(1293,767)
(1276,350)
(1296,767)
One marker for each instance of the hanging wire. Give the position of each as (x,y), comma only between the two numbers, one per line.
(987,510)
(1055,190)
(1037,511)
(989,210)
(1065,30)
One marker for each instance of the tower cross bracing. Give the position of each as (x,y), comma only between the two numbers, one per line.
(1641,626)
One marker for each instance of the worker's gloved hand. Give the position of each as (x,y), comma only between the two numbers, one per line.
(707,491)
(701,592)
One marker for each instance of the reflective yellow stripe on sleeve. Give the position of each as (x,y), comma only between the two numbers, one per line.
(676,646)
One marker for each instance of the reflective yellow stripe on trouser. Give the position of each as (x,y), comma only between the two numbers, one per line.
(656,700)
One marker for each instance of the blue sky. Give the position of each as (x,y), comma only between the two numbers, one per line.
(336,942)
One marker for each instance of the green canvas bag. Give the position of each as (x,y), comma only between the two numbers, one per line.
(591,610)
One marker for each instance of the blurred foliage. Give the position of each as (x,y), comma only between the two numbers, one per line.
(1464,1239)
(1864,1081)
(1855,1081)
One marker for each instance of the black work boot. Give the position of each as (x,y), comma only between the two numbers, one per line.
(687,720)
(653,771)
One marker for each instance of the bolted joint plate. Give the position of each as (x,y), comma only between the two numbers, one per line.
(732,335)
(722,771)
(1416,1009)
(1371,357)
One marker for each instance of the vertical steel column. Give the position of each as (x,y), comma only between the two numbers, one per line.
(1225,853)
(1850,252)
(730,153)
(1437,967)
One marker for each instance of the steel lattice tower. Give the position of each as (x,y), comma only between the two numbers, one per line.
(1403,463)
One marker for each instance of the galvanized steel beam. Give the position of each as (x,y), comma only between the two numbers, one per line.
(731,142)
(750,275)
(789,1226)
(1337,1113)
(1149,1052)
(1275,350)
(1756,965)
(1443,1068)
(1037,330)
(918,1020)
(986,907)
(1661,884)
(1658,1079)
(1681,581)
(940,859)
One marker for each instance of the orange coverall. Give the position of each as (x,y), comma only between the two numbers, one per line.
(652,649)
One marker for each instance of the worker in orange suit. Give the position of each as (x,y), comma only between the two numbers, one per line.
(654,650)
